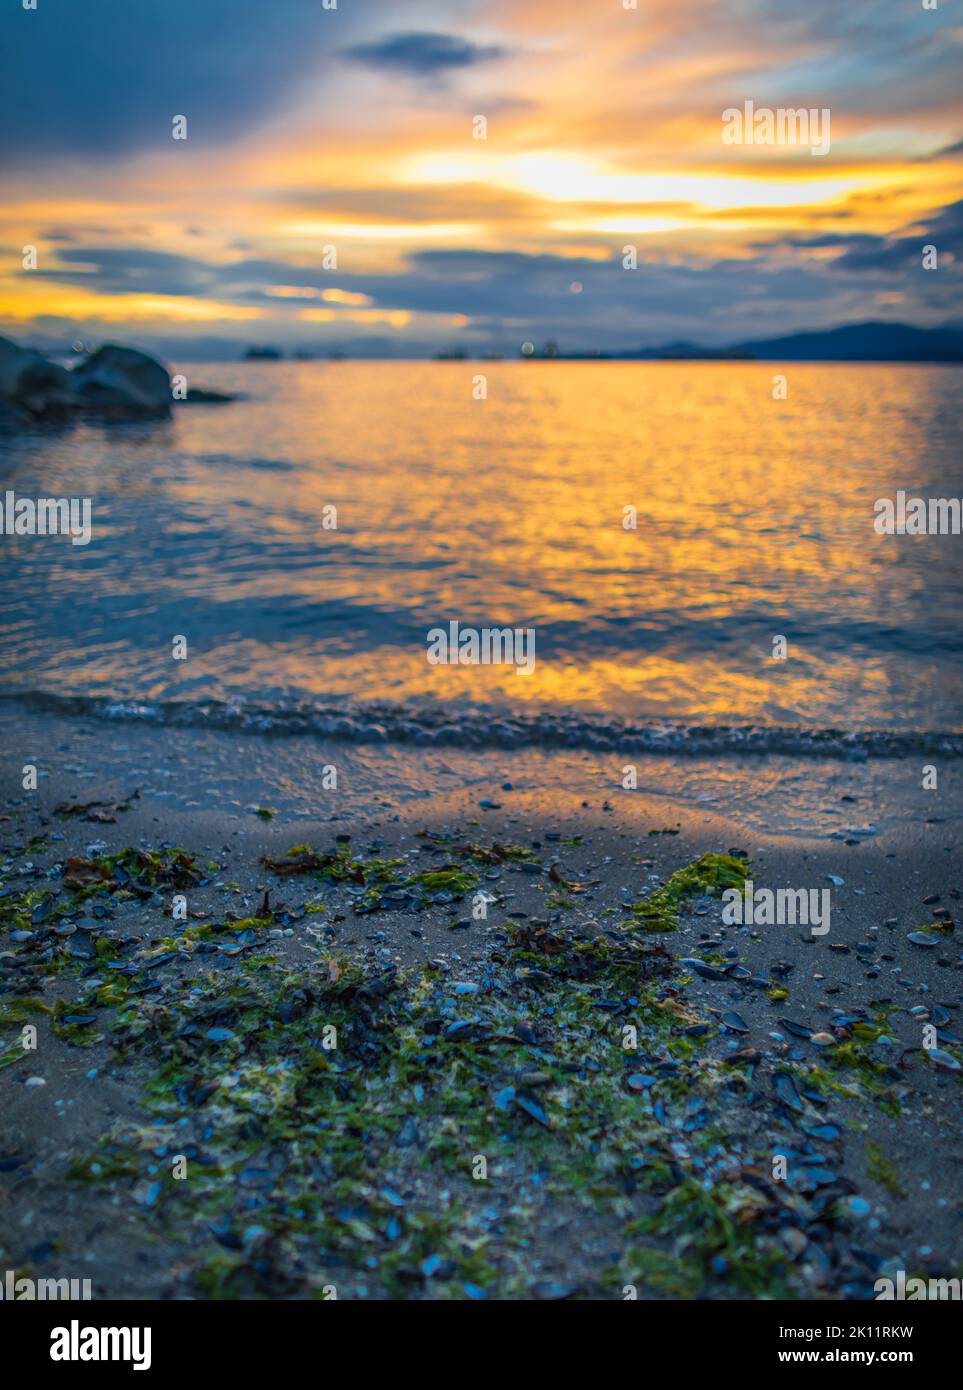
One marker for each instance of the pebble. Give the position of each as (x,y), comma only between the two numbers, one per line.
(939,1058)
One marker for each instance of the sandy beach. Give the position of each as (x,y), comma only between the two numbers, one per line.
(181,1128)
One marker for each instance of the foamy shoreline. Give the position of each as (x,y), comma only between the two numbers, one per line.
(477,727)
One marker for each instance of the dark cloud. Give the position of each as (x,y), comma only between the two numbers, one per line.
(131,270)
(422,55)
(888,257)
(510,296)
(102,78)
(494,288)
(865,253)
(839,240)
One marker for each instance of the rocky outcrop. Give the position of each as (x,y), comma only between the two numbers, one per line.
(31,387)
(113,383)
(121,381)
(11,418)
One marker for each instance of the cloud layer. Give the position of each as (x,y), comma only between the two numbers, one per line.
(474,177)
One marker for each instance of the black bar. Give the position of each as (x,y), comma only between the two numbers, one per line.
(715,1337)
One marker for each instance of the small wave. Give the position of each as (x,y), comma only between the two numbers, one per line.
(474,727)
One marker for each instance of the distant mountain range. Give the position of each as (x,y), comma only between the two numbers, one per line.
(852,342)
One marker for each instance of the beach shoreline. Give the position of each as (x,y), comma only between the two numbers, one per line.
(580,860)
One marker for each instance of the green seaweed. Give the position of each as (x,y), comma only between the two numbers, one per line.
(709,874)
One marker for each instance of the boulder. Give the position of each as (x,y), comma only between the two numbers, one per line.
(11,417)
(121,381)
(30,384)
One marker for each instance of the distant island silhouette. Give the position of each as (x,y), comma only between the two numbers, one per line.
(851,342)
(871,341)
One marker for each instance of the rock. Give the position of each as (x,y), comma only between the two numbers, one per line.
(11,418)
(113,382)
(31,385)
(201,395)
(122,381)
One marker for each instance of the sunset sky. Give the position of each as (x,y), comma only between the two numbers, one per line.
(353,128)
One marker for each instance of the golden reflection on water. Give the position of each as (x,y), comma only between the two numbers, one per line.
(754,518)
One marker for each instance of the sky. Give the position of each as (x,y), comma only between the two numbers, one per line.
(332,193)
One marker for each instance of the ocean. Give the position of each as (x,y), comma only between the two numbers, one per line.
(657,526)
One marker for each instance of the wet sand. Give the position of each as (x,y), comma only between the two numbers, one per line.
(607,1167)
